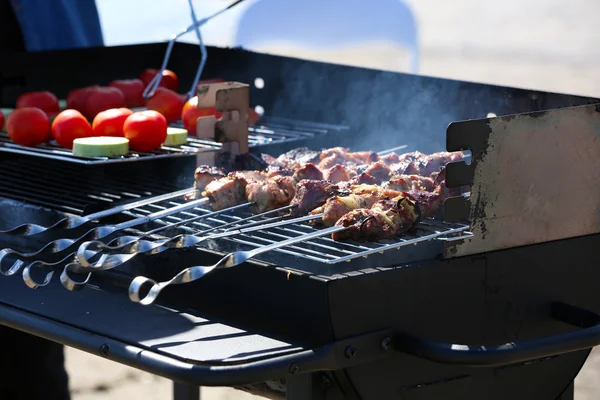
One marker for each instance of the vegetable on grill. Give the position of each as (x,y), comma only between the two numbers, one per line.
(100,146)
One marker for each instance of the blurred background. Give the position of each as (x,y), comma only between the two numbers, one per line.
(545,45)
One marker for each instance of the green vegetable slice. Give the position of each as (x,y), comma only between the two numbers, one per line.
(176,137)
(100,146)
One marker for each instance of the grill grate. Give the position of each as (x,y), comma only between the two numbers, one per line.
(322,250)
(271,131)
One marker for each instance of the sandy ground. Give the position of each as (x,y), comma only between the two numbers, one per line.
(541,44)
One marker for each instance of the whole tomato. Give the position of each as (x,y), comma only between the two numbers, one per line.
(102,99)
(169,78)
(146,130)
(44,100)
(190,114)
(110,122)
(253,117)
(68,126)
(77,97)
(28,126)
(1,120)
(133,90)
(166,102)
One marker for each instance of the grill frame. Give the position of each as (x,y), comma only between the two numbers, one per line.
(501,295)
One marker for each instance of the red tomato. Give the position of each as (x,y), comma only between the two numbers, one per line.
(68,126)
(166,102)
(169,79)
(146,130)
(110,122)
(45,101)
(190,114)
(253,117)
(1,120)
(76,98)
(102,99)
(133,90)
(28,126)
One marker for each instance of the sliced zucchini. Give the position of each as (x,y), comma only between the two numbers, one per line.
(100,146)
(176,137)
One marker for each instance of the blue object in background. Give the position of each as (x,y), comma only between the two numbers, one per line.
(58,24)
(328,23)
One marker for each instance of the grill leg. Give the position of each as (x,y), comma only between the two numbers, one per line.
(185,392)
(305,387)
(569,394)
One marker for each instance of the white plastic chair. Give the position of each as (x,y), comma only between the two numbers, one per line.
(329,23)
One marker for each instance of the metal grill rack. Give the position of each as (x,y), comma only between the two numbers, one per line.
(323,250)
(270,131)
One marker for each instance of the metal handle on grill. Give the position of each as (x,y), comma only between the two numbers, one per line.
(62,247)
(197,272)
(514,352)
(75,222)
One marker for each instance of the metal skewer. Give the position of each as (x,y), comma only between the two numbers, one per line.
(137,244)
(82,257)
(72,222)
(197,272)
(61,247)
(111,261)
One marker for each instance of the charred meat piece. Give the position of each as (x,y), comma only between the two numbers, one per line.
(336,207)
(362,196)
(308,171)
(299,157)
(226,192)
(204,175)
(278,170)
(435,162)
(389,159)
(365,157)
(379,170)
(337,173)
(311,194)
(363,179)
(420,164)
(385,220)
(404,183)
(429,202)
(272,193)
(231,190)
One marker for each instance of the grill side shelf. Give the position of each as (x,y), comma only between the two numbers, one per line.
(533,178)
(229,356)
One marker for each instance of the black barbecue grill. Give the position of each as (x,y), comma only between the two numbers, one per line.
(496,300)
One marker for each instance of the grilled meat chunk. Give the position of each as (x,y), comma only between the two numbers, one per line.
(311,194)
(298,157)
(308,171)
(429,202)
(204,175)
(379,170)
(337,173)
(363,179)
(390,158)
(420,164)
(277,169)
(384,220)
(403,183)
(272,193)
(231,190)
(362,196)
